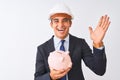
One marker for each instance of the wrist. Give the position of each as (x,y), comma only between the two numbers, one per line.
(98,45)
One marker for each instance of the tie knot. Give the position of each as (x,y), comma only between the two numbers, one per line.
(62,41)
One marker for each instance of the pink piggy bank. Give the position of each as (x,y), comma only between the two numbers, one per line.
(59,60)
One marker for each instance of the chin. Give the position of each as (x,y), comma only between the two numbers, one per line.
(62,37)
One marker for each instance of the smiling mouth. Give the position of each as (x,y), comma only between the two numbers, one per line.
(61,30)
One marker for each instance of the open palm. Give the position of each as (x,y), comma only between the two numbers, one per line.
(98,34)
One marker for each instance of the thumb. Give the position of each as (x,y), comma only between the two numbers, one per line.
(90,30)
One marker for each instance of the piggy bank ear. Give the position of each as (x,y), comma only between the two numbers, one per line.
(67,52)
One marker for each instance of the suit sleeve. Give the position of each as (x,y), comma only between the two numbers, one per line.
(41,72)
(96,61)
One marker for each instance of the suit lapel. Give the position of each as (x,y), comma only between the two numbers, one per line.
(71,45)
(50,45)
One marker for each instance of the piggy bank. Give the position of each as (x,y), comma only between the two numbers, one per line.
(59,60)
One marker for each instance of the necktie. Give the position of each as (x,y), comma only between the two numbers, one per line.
(63,49)
(62,45)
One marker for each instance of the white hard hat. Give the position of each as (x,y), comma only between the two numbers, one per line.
(60,8)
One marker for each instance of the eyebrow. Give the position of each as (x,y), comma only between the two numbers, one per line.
(62,19)
(55,19)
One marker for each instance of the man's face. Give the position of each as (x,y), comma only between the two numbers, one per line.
(61,26)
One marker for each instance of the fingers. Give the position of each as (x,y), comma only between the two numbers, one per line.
(56,71)
(104,22)
(65,72)
(100,21)
(56,74)
(90,30)
(106,26)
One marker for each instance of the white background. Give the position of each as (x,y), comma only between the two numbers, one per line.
(24,25)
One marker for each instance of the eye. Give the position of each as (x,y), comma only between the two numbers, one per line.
(66,20)
(55,20)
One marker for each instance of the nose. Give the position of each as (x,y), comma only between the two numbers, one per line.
(60,24)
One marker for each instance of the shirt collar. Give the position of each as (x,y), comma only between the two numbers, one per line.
(57,40)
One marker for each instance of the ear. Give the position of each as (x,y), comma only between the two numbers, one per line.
(70,23)
(51,24)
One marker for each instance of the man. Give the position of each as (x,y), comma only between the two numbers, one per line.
(61,17)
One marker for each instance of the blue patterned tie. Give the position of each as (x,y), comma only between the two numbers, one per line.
(63,49)
(62,45)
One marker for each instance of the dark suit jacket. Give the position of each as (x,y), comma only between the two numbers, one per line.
(79,50)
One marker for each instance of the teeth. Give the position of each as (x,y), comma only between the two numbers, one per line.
(60,29)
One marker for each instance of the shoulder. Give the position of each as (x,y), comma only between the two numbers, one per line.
(76,38)
(78,41)
(46,43)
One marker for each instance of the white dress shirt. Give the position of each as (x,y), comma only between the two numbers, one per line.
(57,44)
